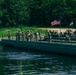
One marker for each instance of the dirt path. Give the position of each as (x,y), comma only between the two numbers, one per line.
(57,29)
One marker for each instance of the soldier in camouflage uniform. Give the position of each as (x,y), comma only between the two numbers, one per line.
(9,35)
(36,35)
(22,36)
(49,37)
(18,34)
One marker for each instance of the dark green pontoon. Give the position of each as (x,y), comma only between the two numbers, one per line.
(53,47)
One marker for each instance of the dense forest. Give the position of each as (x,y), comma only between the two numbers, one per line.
(14,13)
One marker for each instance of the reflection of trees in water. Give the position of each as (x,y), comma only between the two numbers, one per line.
(48,66)
(20,66)
(42,64)
(51,66)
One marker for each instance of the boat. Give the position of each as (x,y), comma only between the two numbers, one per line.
(53,47)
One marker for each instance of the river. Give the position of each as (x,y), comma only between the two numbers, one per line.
(19,62)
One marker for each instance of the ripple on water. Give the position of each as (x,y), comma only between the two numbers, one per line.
(27,63)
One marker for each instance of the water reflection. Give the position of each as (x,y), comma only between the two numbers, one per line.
(16,62)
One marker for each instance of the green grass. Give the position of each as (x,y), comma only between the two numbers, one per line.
(4,31)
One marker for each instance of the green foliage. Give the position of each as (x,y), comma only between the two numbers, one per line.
(14,13)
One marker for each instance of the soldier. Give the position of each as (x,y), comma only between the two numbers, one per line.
(36,35)
(75,34)
(49,37)
(45,37)
(9,35)
(31,36)
(40,38)
(22,36)
(26,35)
(67,37)
(18,34)
(61,34)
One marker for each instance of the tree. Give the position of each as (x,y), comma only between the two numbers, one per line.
(36,12)
(15,13)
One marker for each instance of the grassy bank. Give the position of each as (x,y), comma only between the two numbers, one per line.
(3,31)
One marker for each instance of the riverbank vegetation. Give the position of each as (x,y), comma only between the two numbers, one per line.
(13,30)
(15,13)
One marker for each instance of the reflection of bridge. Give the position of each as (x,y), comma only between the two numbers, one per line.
(59,47)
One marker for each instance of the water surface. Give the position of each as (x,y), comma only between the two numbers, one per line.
(16,62)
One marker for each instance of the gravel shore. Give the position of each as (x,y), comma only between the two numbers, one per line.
(58,29)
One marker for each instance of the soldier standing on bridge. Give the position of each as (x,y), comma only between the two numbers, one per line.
(18,34)
(9,35)
(26,35)
(36,35)
(49,37)
(40,38)
(75,34)
(67,37)
(22,36)
(31,36)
